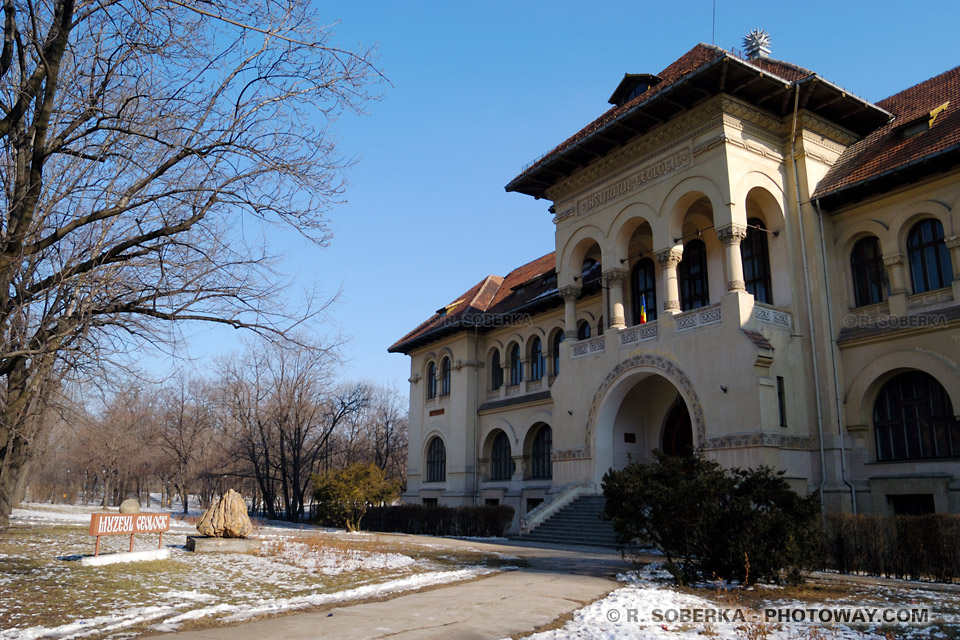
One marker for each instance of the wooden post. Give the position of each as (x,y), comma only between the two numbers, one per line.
(97,550)
(160,544)
(131,542)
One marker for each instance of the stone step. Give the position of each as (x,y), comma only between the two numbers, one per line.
(578,523)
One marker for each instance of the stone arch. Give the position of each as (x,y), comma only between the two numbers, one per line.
(758,180)
(863,389)
(685,193)
(770,207)
(647,363)
(575,250)
(627,221)
(844,241)
(903,222)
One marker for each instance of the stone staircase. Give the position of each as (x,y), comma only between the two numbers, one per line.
(577,523)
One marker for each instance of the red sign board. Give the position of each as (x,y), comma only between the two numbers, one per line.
(105,524)
(108,524)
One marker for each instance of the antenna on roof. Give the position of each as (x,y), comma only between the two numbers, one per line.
(713,36)
(756,44)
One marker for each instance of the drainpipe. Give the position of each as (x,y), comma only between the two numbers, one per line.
(479,387)
(806,280)
(833,357)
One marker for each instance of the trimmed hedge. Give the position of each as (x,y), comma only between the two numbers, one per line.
(482,521)
(909,547)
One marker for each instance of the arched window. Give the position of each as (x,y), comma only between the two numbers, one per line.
(436,461)
(694,290)
(913,419)
(756,261)
(445,377)
(516,365)
(536,359)
(583,330)
(496,371)
(600,326)
(866,265)
(929,258)
(540,464)
(558,337)
(432,380)
(501,464)
(643,291)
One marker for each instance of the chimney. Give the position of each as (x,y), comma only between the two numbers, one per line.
(756,44)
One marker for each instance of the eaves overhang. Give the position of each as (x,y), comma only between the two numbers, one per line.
(725,74)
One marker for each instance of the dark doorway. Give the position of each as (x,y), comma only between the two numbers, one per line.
(678,432)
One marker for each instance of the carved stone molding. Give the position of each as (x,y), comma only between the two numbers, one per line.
(952,242)
(664,366)
(670,257)
(732,233)
(569,293)
(617,275)
(894,260)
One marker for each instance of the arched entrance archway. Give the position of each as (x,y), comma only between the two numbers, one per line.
(677,438)
(630,410)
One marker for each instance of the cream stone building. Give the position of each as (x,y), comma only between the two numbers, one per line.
(794,251)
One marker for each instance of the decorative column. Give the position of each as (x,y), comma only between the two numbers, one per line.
(898,284)
(953,243)
(570,295)
(731,236)
(669,259)
(613,280)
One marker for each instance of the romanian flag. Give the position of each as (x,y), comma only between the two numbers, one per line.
(643,309)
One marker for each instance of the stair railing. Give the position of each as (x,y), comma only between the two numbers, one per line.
(553,503)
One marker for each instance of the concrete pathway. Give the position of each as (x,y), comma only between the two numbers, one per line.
(557,580)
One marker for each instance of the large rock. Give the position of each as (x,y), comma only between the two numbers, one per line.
(227,518)
(130,505)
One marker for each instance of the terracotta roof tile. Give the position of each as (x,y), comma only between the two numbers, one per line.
(686,64)
(488,301)
(886,149)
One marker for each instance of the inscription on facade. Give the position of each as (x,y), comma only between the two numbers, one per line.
(436,412)
(635,180)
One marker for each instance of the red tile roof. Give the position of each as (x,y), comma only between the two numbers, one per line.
(686,64)
(887,150)
(485,305)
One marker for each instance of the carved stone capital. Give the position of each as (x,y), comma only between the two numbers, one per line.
(615,276)
(732,233)
(670,257)
(671,305)
(952,242)
(736,285)
(894,260)
(569,293)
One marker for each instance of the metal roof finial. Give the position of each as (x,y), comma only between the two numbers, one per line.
(756,44)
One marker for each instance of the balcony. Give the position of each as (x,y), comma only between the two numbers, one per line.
(660,333)
(587,347)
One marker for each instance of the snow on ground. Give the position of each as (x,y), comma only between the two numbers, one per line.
(649,607)
(52,596)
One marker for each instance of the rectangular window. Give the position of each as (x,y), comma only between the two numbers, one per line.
(492,502)
(630,438)
(911,504)
(782,401)
(429,502)
(533,503)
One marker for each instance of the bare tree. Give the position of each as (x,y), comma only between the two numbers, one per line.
(187,435)
(137,134)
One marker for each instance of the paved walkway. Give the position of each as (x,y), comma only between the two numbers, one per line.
(558,580)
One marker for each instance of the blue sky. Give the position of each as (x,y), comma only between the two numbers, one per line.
(481,88)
